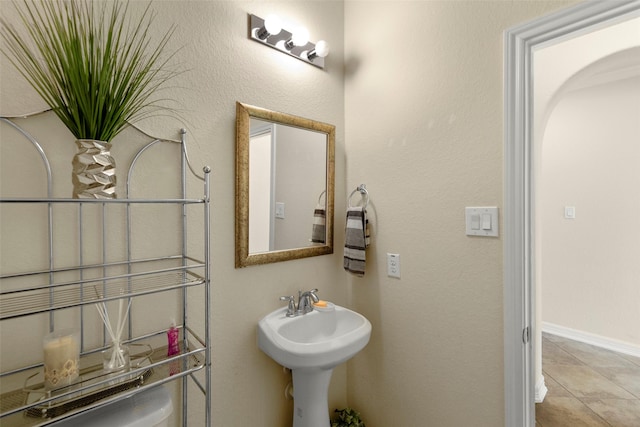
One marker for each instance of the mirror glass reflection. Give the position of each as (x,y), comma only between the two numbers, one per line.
(284,186)
(287,181)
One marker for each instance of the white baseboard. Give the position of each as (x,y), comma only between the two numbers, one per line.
(541,390)
(593,339)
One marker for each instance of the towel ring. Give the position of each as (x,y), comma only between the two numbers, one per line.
(320,196)
(362,189)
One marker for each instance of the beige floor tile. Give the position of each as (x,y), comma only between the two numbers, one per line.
(588,386)
(554,355)
(617,412)
(594,356)
(565,412)
(583,381)
(633,359)
(553,338)
(553,388)
(627,378)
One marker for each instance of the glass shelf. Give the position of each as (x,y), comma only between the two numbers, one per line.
(31,405)
(151,278)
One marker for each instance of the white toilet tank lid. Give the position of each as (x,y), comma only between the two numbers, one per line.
(143,409)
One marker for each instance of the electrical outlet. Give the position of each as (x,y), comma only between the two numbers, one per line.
(393,265)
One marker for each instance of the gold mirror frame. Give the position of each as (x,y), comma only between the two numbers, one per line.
(244,113)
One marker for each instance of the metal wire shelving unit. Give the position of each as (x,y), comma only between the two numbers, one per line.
(76,287)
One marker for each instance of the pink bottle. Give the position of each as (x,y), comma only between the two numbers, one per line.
(173,334)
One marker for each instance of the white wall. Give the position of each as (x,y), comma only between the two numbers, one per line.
(589,265)
(424,130)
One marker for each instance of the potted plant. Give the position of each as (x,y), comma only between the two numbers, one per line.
(347,417)
(97,68)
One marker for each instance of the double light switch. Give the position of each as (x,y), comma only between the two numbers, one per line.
(482,221)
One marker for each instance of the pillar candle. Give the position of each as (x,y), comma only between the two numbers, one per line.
(61,357)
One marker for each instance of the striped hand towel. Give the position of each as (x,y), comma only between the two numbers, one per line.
(318,232)
(356,240)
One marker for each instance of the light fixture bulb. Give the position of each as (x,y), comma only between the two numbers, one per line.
(273,24)
(300,37)
(322,48)
(270,27)
(320,51)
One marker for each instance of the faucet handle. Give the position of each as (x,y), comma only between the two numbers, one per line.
(291,309)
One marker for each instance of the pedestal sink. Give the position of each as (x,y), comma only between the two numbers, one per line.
(311,345)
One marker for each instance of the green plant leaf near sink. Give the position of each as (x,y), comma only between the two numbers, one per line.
(347,417)
(96,66)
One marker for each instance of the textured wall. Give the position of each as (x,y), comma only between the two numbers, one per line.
(589,264)
(424,128)
(224,66)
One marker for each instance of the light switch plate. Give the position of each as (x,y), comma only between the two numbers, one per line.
(482,221)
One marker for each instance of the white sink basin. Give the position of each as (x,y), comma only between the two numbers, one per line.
(319,339)
(311,345)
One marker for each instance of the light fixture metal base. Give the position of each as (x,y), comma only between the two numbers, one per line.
(278,42)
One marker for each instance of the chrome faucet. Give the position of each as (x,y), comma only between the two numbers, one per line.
(304,305)
(305,299)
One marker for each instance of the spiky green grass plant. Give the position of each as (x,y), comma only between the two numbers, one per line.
(97,67)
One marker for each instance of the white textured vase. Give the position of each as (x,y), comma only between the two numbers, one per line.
(94,170)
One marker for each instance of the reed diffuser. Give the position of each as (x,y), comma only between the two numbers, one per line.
(115,358)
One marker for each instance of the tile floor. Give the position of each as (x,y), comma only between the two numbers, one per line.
(588,386)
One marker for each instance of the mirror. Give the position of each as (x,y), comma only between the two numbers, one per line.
(284,186)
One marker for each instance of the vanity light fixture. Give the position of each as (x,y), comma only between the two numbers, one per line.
(269,32)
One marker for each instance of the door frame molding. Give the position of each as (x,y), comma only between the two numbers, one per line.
(519,292)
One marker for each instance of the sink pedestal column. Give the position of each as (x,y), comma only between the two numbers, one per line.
(310,402)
